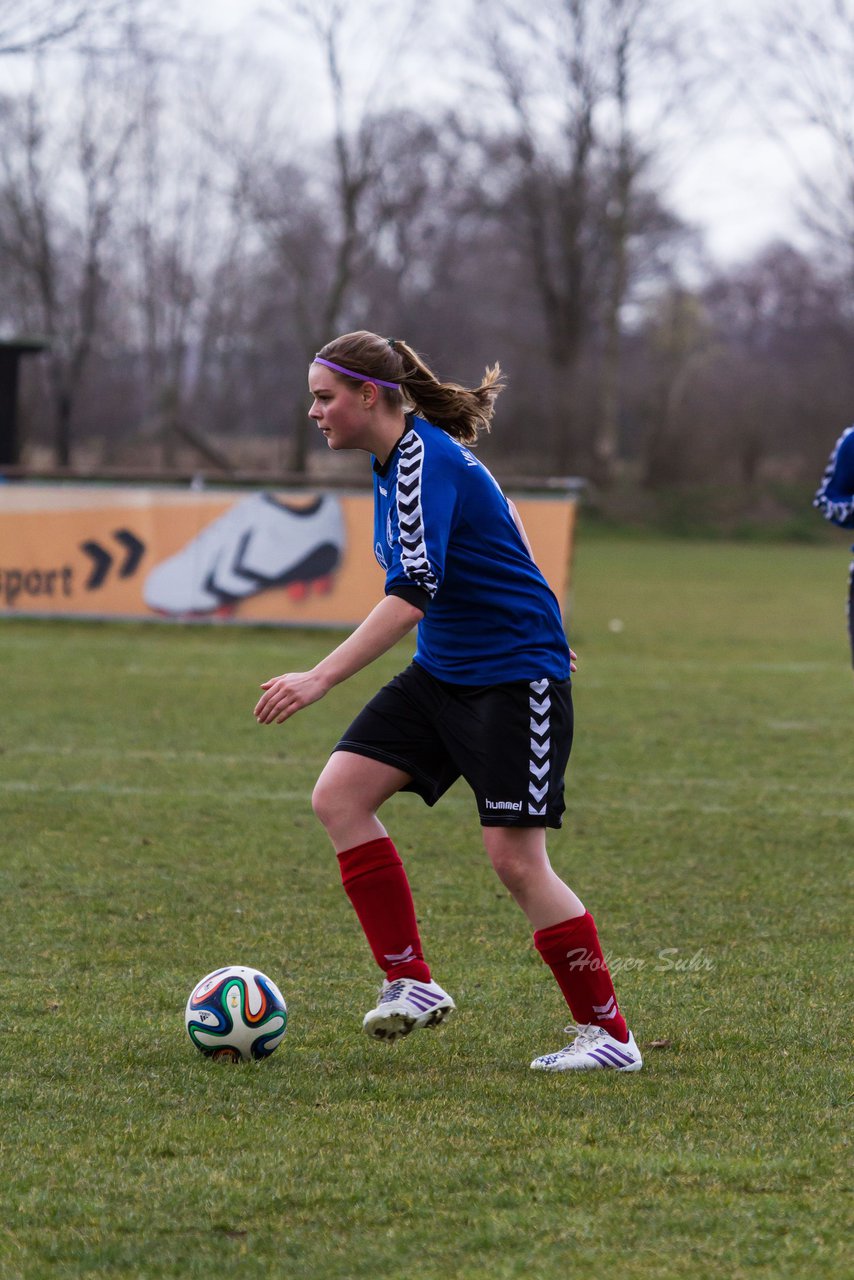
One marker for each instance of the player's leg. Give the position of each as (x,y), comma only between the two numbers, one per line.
(525,738)
(565,936)
(348,794)
(850,609)
(519,859)
(381,753)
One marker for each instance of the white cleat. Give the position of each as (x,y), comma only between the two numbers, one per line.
(258,543)
(406,1005)
(593,1049)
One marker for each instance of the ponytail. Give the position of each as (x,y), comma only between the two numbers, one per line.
(463,412)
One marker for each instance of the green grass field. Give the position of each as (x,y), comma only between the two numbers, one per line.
(152,832)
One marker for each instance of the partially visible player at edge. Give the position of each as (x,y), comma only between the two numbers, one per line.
(487,696)
(835,500)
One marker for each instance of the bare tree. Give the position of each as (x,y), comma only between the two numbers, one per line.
(783,366)
(648,49)
(577,173)
(546,63)
(58,195)
(184,224)
(805,99)
(734,384)
(680,343)
(618,221)
(346,234)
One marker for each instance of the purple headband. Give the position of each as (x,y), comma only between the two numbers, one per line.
(363,377)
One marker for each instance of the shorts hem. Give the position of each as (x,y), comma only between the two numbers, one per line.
(422,785)
(525,821)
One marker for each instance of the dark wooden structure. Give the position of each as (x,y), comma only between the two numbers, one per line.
(11,353)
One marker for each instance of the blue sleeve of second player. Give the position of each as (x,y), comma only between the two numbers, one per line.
(835,497)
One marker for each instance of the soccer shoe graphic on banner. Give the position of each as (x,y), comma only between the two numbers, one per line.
(258,544)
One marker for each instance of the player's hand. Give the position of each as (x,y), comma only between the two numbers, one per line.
(284,695)
(573,660)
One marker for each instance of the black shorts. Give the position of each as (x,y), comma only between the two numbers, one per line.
(511,742)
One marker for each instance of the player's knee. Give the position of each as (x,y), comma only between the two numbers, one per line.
(514,871)
(325,802)
(518,856)
(334,804)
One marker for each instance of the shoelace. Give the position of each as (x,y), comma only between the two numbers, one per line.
(586,1034)
(392,991)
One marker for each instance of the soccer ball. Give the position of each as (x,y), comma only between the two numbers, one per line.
(236,1014)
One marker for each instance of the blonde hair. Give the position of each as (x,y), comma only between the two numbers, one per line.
(463,412)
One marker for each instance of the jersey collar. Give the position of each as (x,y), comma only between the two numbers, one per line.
(383,468)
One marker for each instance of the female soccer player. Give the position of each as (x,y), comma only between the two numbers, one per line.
(487,696)
(835,500)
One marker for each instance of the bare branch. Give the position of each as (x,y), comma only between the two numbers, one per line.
(26,29)
(805,101)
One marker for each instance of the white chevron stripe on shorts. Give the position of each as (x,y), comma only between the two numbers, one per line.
(539,725)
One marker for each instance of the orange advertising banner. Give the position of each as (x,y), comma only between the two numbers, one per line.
(288,559)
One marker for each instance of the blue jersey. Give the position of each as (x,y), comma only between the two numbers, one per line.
(448,542)
(835,498)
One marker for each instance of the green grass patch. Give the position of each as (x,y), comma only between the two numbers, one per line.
(152,831)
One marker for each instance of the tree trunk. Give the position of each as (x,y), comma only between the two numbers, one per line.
(63,428)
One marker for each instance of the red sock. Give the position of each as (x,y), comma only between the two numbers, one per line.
(376,884)
(571,950)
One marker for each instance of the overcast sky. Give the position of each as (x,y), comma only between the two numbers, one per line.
(733,181)
(725,174)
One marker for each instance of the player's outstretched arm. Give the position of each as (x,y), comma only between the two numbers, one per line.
(387,623)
